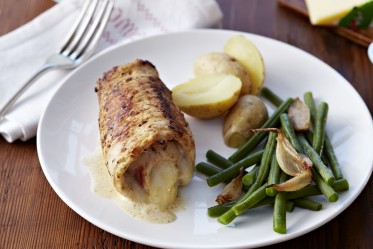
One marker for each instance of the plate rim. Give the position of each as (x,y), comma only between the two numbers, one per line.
(79,211)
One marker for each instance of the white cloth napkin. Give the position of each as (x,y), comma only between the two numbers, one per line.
(24,50)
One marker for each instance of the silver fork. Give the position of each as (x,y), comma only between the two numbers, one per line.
(78,45)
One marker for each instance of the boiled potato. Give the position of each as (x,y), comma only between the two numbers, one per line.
(216,62)
(248,113)
(249,56)
(207,96)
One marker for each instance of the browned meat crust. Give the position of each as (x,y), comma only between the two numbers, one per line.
(136,112)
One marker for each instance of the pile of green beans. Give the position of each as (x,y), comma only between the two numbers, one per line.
(262,168)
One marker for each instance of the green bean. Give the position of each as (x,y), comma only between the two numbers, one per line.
(218,210)
(333,161)
(250,177)
(279,213)
(256,196)
(329,193)
(283,176)
(266,159)
(217,159)
(312,190)
(234,169)
(263,170)
(319,129)
(289,206)
(289,132)
(271,96)
(230,215)
(250,201)
(308,204)
(309,137)
(266,201)
(341,185)
(273,176)
(329,150)
(309,101)
(316,160)
(207,169)
(250,144)
(227,217)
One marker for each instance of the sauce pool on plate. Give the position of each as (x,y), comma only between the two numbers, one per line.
(101,184)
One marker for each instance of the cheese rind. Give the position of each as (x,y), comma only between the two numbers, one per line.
(329,12)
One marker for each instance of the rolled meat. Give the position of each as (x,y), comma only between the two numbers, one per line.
(147,146)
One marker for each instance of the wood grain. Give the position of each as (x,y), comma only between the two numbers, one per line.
(360,36)
(33,216)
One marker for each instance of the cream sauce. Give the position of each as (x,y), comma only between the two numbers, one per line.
(101,184)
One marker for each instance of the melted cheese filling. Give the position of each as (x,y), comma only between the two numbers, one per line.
(155,177)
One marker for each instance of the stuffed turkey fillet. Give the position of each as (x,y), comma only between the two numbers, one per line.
(147,146)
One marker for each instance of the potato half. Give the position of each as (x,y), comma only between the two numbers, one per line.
(250,57)
(207,96)
(218,62)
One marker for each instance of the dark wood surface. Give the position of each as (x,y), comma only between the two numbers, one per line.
(360,36)
(33,216)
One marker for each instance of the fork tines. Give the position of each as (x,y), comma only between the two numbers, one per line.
(86,31)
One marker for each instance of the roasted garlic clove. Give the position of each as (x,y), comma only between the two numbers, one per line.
(231,191)
(292,163)
(295,183)
(300,116)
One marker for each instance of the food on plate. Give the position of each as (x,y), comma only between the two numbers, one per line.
(244,51)
(300,116)
(207,96)
(319,128)
(232,190)
(292,163)
(287,169)
(248,113)
(147,146)
(220,78)
(218,62)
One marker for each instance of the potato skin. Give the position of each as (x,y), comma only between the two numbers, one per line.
(244,51)
(248,113)
(216,62)
(208,111)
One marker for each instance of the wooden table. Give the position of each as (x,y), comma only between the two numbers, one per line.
(33,216)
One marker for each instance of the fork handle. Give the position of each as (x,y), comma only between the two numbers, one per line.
(24,88)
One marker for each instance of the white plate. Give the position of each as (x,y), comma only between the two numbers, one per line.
(68,132)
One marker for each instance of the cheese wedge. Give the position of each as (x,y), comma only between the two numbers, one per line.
(329,12)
